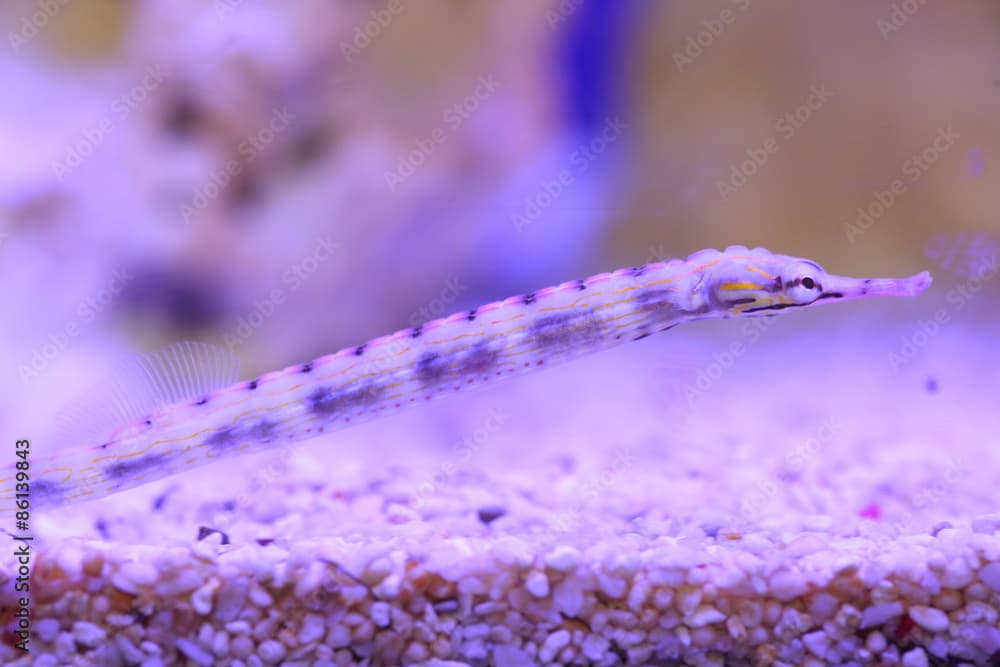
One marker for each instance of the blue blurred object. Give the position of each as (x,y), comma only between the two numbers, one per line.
(548,221)
(593,58)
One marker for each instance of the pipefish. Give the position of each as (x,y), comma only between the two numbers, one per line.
(194,412)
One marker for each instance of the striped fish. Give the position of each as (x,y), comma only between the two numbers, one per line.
(183,407)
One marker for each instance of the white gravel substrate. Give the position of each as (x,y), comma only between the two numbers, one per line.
(806,600)
(804,509)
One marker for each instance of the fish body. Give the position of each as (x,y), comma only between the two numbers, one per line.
(203,423)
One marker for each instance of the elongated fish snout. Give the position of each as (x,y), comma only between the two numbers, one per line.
(839,287)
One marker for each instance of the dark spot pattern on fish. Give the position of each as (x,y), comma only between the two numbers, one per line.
(263,430)
(431,369)
(560,332)
(135,466)
(228,437)
(43,489)
(479,359)
(327,402)
(222,439)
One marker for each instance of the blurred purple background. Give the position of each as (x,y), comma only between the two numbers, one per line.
(286,179)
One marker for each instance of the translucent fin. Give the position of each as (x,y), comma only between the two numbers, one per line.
(142,385)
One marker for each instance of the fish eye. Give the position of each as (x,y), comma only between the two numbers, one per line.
(804,288)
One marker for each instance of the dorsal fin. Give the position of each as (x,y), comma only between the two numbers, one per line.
(141,386)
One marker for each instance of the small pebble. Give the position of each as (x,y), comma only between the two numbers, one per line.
(271,651)
(553,644)
(567,597)
(787,584)
(194,653)
(312,630)
(46,629)
(508,656)
(201,599)
(537,584)
(446,606)
(704,615)
(562,559)
(381,614)
(817,642)
(990,575)
(986,525)
(915,658)
(876,642)
(938,647)
(88,634)
(880,614)
(929,618)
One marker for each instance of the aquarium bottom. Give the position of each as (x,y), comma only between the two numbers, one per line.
(798,510)
(730,600)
